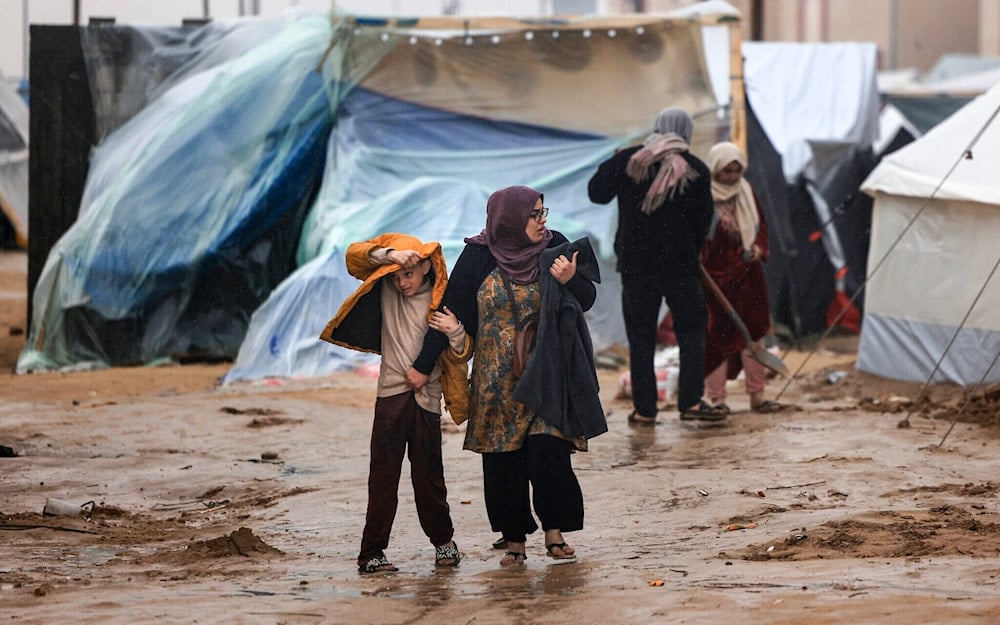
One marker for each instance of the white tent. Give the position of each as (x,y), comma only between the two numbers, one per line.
(935,227)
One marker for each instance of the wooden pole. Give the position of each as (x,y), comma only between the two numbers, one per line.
(25,38)
(737,95)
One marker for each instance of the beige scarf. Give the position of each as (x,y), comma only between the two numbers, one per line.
(674,174)
(721,155)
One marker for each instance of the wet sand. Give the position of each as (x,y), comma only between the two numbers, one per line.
(245,503)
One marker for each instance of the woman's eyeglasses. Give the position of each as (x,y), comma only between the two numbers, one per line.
(540,214)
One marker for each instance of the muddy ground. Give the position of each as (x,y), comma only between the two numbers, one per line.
(244,504)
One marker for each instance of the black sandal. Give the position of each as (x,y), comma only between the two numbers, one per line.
(561,547)
(702,411)
(634,418)
(517,558)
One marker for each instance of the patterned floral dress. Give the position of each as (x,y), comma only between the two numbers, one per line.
(497,422)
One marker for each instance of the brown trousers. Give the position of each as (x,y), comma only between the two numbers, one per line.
(400,423)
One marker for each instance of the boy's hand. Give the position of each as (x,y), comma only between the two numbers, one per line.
(444,321)
(563,269)
(407,259)
(415,379)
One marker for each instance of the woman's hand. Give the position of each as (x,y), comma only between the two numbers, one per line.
(563,269)
(444,321)
(755,253)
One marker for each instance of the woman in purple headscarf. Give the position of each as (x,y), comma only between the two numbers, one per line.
(526,457)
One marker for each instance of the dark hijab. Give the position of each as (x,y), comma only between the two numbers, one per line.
(507,214)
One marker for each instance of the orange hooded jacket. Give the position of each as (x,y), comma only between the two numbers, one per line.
(357,323)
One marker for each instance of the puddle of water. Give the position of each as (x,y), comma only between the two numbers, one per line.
(91,556)
(484,579)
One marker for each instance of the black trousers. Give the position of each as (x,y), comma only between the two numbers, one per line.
(400,423)
(642,295)
(540,472)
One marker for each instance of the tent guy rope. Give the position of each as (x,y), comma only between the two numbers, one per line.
(905,423)
(968,399)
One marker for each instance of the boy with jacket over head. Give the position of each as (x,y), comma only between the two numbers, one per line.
(403,280)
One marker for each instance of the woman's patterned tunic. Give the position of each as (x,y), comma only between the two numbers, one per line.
(497,422)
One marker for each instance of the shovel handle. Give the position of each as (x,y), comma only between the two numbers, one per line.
(758,353)
(725,303)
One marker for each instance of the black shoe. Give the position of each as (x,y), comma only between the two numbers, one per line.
(703,411)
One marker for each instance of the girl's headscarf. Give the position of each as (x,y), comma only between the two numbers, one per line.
(720,156)
(507,214)
(671,136)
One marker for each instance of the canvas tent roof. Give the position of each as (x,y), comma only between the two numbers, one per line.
(955,65)
(925,167)
(952,75)
(932,297)
(927,99)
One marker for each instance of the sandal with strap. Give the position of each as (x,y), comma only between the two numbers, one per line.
(769,406)
(447,555)
(563,547)
(512,558)
(378,564)
(723,408)
(634,418)
(702,411)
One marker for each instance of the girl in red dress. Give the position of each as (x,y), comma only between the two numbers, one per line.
(734,255)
